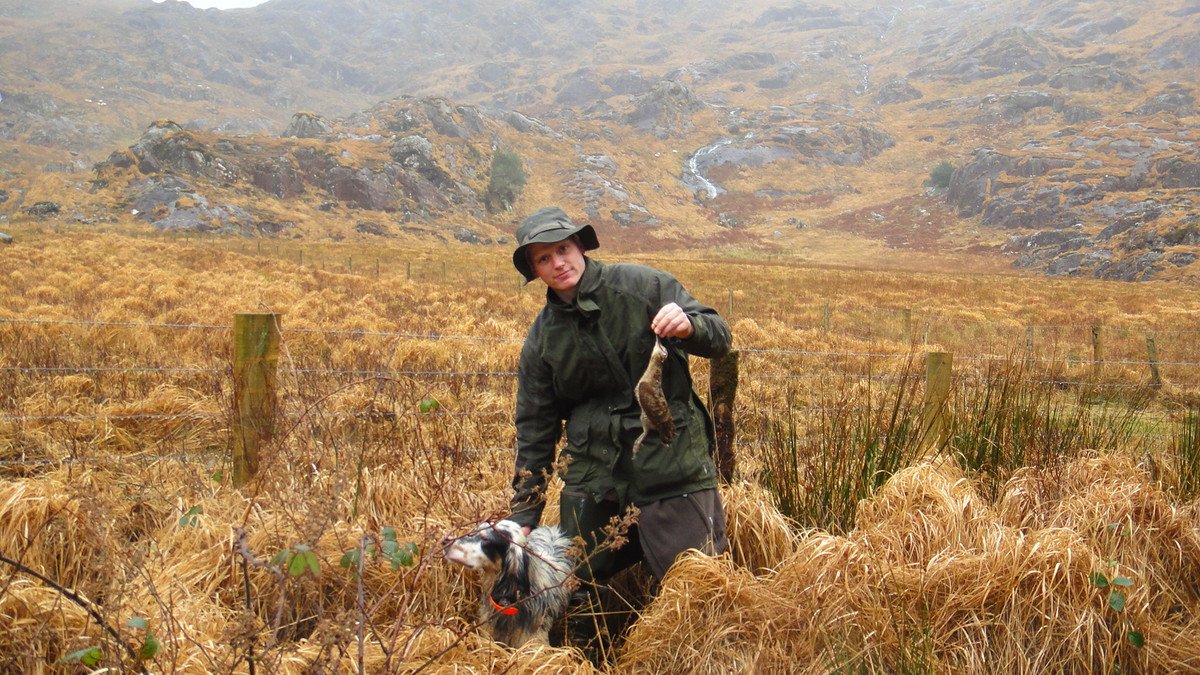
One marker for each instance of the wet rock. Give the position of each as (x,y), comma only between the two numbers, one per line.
(307,125)
(748,61)
(372,228)
(665,110)
(1179,103)
(579,88)
(1006,52)
(1104,27)
(167,147)
(897,90)
(3,196)
(455,122)
(1078,114)
(362,188)
(277,176)
(970,184)
(1067,265)
(1134,268)
(5,238)
(601,162)
(839,143)
(43,208)
(413,149)
(526,124)
(783,77)
(1178,171)
(1088,77)
(1177,52)
(469,236)
(628,83)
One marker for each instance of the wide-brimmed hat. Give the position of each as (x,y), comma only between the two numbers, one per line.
(546,226)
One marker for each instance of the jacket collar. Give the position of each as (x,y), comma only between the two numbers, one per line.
(584,295)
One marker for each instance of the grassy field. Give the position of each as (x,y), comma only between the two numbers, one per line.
(1054,527)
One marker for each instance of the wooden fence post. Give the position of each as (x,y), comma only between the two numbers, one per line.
(255,357)
(301,257)
(408,270)
(1028,346)
(938,371)
(826,316)
(376,267)
(1152,354)
(349,264)
(906,314)
(722,390)
(1096,351)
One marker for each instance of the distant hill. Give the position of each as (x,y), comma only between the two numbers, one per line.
(1071,125)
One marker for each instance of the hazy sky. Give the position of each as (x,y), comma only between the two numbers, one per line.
(222,4)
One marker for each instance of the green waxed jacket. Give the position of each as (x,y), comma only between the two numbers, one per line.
(579,364)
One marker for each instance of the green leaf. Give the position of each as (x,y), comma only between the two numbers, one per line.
(1116,600)
(136,622)
(191,517)
(314,563)
(429,405)
(282,559)
(350,559)
(388,534)
(88,656)
(1137,639)
(1098,580)
(217,476)
(1122,581)
(298,564)
(150,647)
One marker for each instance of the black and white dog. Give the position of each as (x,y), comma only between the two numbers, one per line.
(526,580)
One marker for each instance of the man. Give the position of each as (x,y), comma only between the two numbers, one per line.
(583,354)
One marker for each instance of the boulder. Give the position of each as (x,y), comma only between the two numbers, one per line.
(5,238)
(665,110)
(1091,77)
(307,125)
(970,184)
(579,88)
(165,146)
(1179,103)
(629,82)
(43,208)
(748,61)
(897,90)
(783,77)
(1078,114)
(277,176)
(362,188)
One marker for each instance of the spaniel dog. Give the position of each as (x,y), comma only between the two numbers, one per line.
(526,580)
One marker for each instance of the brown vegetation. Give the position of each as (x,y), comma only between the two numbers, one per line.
(115,426)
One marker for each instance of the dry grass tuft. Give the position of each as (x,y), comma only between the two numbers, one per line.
(932,579)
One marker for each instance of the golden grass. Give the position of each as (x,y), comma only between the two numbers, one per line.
(931,577)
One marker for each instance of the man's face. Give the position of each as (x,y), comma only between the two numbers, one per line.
(559,265)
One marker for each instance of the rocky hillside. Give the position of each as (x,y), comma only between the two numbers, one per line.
(1070,125)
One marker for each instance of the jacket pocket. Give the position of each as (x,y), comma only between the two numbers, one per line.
(591,450)
(662,470)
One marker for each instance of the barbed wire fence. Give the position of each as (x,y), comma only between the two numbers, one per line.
(51,395)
